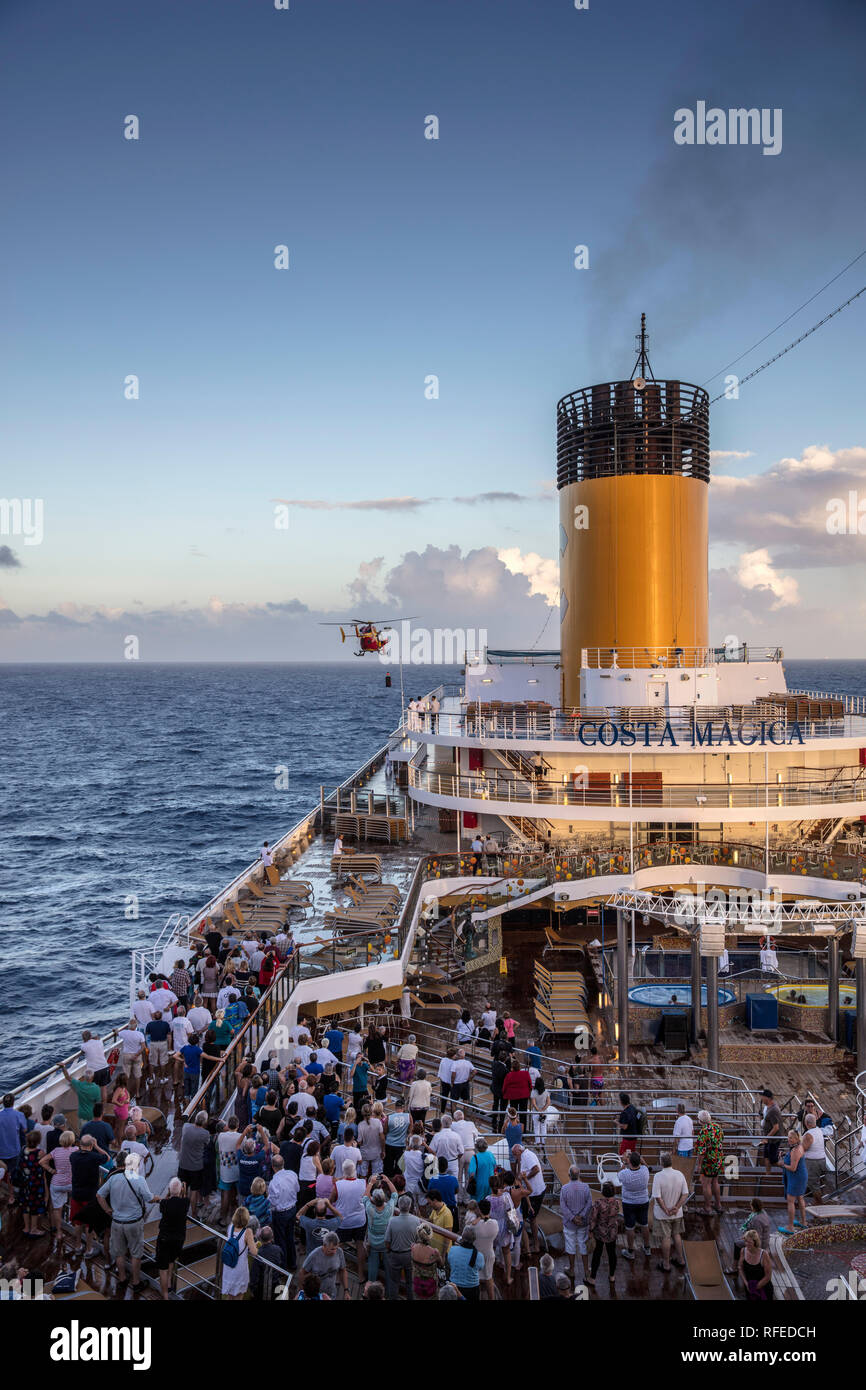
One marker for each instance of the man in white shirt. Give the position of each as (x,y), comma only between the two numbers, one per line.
(302,1049)
(462,1072)
(163,999)
(283,1190)
(132,1145)
(671,1192)
(683,1132)
(488,1018)
(446,1070)
(250,945)
(142,1009)
(228,991)
(181,1029)
(325,1057)
(338,845)
(467,1133)
(345,1153)
(96,1061)
(131,1054)
(200,1017)
(227,1145)
(306,1102)
(447,1144)
(267,857)
(529,1167)
(257,955)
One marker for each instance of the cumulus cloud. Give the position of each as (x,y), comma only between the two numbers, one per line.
(367,586)
(542,573)
(755,571)
(8,559)
(786,509)
(441,587)
(803,629)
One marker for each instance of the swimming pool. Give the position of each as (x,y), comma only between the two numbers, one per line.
(661,996)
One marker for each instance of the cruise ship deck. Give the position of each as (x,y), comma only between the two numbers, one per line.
(641,851)
(446,973)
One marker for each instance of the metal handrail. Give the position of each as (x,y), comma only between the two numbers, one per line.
(74,1060)
(254,1028)
(544,792)
(561,864)
(398,1025)
(512,722)
(219,1238)
(630,658)
(853,704)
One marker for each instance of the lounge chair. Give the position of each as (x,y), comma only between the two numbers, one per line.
(440,991)
(421,1007)
(548,1223)
(556,941)
(560,1162)
(373,901)
(378,890)
(686,1166)
(290,891)
(705,1276)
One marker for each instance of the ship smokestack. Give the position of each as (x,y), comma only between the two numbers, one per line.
(633,468)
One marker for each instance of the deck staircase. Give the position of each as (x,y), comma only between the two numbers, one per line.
(520,763)
(532,830)
(823,830)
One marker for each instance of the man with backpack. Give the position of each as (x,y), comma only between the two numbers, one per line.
(632,1123)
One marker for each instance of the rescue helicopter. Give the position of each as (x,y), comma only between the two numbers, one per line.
(372,635)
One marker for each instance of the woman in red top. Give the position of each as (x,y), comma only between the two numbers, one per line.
(516,1088)
(267,970)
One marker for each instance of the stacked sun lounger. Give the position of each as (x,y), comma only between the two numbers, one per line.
(375,907)
(356,864)
(560,1000)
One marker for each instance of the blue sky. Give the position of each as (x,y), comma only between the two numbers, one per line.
(409,257)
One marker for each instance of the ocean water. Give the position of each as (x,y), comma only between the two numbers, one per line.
(159,782)
(153,781)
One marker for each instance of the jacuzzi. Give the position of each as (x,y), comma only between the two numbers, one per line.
(670,995)
(648,1003)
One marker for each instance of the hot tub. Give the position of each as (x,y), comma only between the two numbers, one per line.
(669,995)
(648,1003)
(804,1006)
